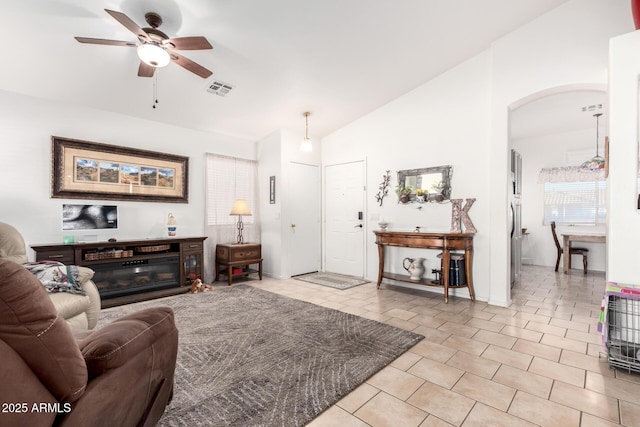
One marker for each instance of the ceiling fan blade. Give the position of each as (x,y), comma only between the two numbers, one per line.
(189,43)
(128,24)
(145,70)
(190,65)
(105,41)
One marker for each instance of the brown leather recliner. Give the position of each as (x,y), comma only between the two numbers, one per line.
(118,375)
(80,311)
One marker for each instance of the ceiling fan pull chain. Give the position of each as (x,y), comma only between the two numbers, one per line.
(155,89)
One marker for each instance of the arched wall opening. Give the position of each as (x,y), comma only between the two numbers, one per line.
(554,127)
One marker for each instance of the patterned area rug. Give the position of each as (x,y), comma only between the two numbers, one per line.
(249,357)
(332,280)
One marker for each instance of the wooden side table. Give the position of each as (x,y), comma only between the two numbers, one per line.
(239,256)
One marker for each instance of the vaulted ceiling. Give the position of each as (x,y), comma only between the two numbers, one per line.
(338,59)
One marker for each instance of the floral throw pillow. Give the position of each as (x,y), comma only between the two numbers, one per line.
(56,277)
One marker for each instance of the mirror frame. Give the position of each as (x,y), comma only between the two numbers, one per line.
(446,171)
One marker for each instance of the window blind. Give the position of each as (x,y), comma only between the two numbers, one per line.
(580,203)
(229,179)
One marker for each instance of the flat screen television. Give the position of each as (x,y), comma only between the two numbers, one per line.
(89,217)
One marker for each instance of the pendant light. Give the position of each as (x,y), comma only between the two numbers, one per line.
(596,162)
(306,142)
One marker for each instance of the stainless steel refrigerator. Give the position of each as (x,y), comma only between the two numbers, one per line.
(515,209)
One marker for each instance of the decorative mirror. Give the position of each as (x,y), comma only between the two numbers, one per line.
(424,185)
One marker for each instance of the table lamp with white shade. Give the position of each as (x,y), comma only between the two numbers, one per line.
(240,208)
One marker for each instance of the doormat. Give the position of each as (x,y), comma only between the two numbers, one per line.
(338,281)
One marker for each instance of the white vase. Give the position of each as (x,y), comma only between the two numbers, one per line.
(414,267)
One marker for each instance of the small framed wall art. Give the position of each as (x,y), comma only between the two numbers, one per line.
(272,189)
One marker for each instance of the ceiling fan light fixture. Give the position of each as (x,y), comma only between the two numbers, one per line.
(153,55)
(155,48)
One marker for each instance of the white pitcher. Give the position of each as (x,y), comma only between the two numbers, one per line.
(414,267)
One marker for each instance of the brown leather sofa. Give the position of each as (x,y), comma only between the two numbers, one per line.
(117,375)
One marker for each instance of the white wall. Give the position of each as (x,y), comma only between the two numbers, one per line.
(462,118)
(269,164)
(543,152)
(567,46)
(442,122)
(26,127)
(624,222)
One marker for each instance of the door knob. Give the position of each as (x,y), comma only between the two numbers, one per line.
(357,226)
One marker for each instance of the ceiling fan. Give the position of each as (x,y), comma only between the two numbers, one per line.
(155,48)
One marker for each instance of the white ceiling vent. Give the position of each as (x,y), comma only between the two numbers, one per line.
(592,108)
(220,88)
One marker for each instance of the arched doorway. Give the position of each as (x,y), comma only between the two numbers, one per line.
(550,129)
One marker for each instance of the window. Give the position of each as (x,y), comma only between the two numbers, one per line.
(581,203)
(229,179)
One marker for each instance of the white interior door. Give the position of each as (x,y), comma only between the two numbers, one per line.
(304,202)
(344,218)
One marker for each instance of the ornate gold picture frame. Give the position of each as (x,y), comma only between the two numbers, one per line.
(90,170)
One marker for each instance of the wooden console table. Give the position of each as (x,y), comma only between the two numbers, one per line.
(446,242)
(230,255)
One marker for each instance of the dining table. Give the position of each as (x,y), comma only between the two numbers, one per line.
(569,238)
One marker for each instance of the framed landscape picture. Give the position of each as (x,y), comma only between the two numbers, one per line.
(89,170)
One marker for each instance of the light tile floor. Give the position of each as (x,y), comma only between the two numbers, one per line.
(538,362)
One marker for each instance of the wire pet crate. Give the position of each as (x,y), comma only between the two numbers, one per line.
(623,337)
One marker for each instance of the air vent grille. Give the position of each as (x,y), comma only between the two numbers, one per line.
(220,88)
(591,108)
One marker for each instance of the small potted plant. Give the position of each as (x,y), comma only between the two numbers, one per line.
(438,188)
(421,194)
(404,193)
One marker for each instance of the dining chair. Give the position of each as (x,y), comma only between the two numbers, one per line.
(572,251)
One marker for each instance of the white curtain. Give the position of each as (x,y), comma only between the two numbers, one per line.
(228,179)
